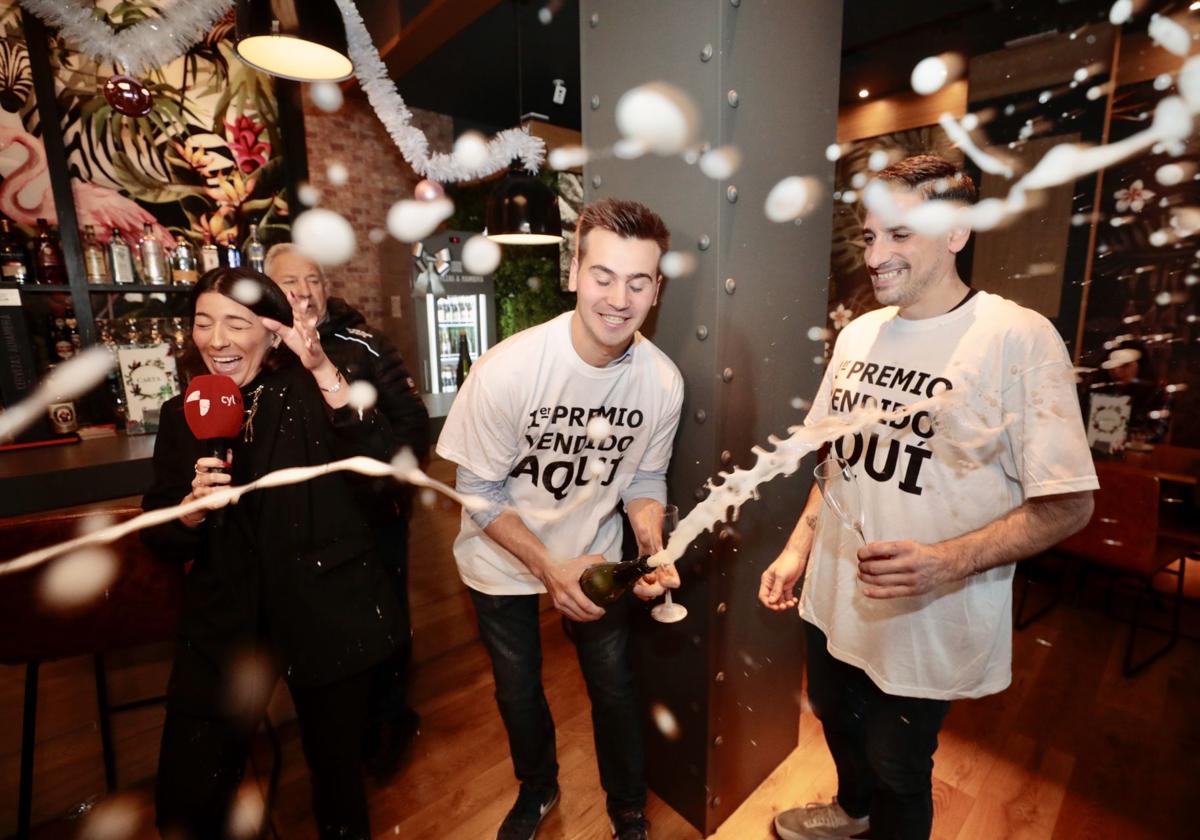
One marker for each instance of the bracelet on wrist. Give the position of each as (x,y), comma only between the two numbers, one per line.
(337,383)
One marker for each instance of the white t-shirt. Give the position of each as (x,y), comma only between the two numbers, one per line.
(522,417)
(1012,432)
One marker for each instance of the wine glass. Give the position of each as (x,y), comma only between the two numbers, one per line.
(668,612)
(839,488)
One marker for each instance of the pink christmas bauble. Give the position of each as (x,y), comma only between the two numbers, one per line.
(428,190)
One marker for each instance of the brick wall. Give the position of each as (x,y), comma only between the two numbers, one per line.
(378,280)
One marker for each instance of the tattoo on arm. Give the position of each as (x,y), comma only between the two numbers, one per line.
(811,521)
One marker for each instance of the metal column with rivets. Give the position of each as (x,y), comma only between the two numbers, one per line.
(764,76)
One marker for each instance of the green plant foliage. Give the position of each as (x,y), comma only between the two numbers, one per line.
(527,288)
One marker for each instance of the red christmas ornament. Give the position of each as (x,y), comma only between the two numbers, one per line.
(128,96)
(428,190)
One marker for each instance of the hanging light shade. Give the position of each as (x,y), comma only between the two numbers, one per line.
(522,210)
(302,40)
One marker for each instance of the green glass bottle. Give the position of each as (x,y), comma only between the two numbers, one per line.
(604,583)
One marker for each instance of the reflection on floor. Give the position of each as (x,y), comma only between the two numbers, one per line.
(1071,750)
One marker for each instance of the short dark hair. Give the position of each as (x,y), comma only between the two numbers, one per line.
(627,219)
(271,303)
(933,177)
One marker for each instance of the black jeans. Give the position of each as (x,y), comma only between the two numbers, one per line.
(202,760)
(509,627)
(883,745)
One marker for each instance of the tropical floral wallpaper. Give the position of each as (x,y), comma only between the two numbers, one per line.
(207,159)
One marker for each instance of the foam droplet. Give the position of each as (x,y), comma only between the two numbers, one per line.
(116,818)
(376,235)
(410,220)
(246,292)
(362,395)
(599,429)
(930,75)
(627,149)
(308,194)
(1169,35)
(324,236)
(658,114)
(246,813)
(568,157)
(480,255)
(665,721)
(1170,174)
(721,163)
(1189,82)
(878,160)
(817,333)
(471,150)
(677,264)
(325,95)
(792,198)
(1120,12)
(78,577)
(405,466)
(337,173)
(1172,119)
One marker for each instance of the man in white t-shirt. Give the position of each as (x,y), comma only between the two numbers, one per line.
(952,496)
(557,427)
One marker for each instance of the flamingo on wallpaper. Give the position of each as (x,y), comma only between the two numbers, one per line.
(97,206)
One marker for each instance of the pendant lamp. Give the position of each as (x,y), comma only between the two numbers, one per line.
(302,40)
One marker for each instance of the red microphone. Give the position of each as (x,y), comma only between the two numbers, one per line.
(213,410)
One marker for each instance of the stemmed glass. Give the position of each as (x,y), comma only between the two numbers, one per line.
(840,490)
(668,612)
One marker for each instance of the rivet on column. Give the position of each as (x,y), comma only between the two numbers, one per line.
(726,457)
(706,52)
(595,19)
(720,676)
(727,375)
(704,242)
(731,194)
(701,415)
(595,102)
(730,285)
(701,332)
(718,741)
(597,180)
(732,98)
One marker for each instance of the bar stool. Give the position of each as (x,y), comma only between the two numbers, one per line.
(140,606)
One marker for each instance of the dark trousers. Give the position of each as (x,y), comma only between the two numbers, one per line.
(389,687)
(202,760)
(509,627)
(883,745)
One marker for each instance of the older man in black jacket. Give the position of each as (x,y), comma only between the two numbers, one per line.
(363,354)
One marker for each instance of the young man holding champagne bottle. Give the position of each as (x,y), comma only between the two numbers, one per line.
(556,427)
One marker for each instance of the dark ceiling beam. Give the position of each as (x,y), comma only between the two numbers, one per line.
(436,24)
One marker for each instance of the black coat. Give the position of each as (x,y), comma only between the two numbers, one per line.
(362,353)
(293,570)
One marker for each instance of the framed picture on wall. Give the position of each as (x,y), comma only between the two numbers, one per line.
(150,378)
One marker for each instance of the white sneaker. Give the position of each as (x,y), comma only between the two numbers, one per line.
(818,819)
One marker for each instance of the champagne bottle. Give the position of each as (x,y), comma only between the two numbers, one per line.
(604,583)
(120,258)
(48,256)
(464,360)
(255,252)
(154,261)
(93,257)
(183,263)
(210,255)
(14,261)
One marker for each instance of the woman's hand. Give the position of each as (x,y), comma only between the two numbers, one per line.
(207,481)
(301,337)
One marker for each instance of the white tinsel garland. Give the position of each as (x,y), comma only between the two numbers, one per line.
(381,92)
(141,47)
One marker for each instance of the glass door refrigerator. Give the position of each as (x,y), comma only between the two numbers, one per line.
(456,305)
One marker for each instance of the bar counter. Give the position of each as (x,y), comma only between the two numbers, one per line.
(36,480)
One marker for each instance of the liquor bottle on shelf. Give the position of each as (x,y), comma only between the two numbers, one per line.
(14,259)
(255,252)
(183,263)
(60,343)
(154,259)
(120,259)
(48,256)
(231,257)
(210,255)
(72,326)
(95,266)
(464,360)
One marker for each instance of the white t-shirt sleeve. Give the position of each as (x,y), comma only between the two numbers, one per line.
(1048,439)
(481,430)
(658,452)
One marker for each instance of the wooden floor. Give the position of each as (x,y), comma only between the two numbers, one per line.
(1071,750)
